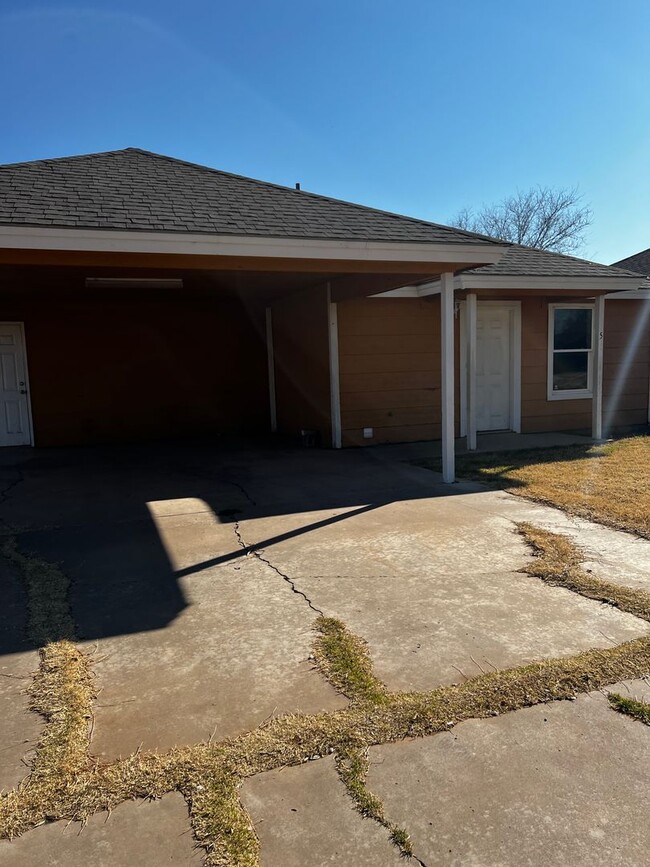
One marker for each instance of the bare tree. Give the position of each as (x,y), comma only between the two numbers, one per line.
(541,217)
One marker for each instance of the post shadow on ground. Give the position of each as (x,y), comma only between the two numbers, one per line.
(98,529)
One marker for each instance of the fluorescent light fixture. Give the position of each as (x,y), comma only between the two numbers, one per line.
(134,283)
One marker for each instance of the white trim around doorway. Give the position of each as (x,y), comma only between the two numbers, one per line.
(30,420)
(515,361)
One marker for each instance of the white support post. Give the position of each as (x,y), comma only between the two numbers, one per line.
(597,373)
(335,387)
(270,359)
(447,374)
(471,372)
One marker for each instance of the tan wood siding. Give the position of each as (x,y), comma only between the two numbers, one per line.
(626,367)
(390,369)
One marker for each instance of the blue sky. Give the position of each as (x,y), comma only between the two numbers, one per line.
(419,106)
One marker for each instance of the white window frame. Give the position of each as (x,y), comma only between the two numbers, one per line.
(574,393)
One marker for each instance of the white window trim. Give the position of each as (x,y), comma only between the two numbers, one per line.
(575,393)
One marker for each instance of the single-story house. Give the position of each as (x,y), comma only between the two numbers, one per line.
(142,296)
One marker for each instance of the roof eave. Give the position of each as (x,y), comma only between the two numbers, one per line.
(184,243)
(611,285)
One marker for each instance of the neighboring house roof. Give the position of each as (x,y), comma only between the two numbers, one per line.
(640,262)
(137,190)
(521,261)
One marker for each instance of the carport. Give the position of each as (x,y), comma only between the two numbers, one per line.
(154,298)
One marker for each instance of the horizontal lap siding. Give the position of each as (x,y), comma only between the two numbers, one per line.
(626,362)
(122,368)
(389,352)
(625,391)
(538,414)
(390,370)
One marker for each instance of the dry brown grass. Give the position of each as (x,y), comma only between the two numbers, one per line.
(67,783)
(605,483)
(558,562)
(209,775)
(48,611)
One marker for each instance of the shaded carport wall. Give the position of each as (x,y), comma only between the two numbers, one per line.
(301,341)
(389,356)
(126,366)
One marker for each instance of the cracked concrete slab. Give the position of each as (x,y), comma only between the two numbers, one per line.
(303,815)
(613,555)
(434,586)
(237,654)
(196,636)
(20,728)
(146,833)
(638,689)
(564,783)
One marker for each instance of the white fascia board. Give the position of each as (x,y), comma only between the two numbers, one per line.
(476,281)
(182,243)
(624,287)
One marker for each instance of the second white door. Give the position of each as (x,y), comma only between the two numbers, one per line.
(14,409)
(493,367)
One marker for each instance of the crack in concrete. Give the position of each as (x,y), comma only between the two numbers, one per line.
(242,490)
(258,553)
(5,493)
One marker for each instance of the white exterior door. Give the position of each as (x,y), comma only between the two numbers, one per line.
(14,408)
(493,368)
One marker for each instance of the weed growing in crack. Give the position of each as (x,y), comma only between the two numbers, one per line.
(638,710)
(352,766)
(558,562)
(344,660)
(67,783)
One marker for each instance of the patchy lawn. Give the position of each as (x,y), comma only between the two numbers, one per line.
(606,483)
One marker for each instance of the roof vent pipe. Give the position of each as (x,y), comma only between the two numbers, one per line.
(297,186)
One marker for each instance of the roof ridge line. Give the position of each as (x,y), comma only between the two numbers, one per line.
(66,158)
(177,160)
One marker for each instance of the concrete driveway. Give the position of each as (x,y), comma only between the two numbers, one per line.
(197,574)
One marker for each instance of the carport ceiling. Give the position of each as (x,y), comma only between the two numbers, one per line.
(251,286)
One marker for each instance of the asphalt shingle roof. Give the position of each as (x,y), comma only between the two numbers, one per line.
(138,190)
(640,262)
(521,261)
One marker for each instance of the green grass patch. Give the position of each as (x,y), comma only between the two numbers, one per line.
(352,766)
(638,710)
(344,660)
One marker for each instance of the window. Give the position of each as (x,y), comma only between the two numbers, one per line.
(570,351)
